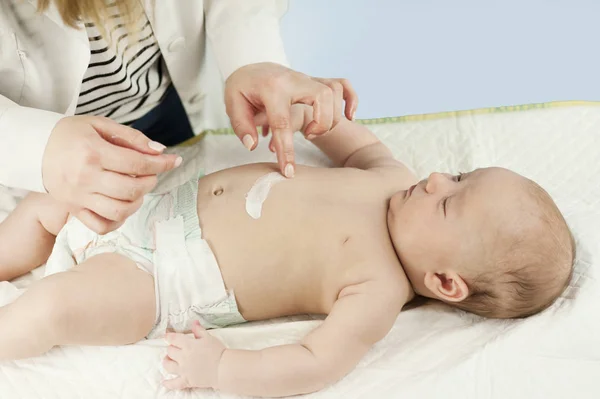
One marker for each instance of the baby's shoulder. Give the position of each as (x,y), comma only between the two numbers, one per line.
(387,281)
(394,281)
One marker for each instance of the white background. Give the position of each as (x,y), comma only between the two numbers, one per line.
(420,56)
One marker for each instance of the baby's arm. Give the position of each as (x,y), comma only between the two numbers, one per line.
(352,145)
(361,316)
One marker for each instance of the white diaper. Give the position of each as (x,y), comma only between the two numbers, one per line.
(164,239)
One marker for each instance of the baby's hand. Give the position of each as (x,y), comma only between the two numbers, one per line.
(300,117)
(194,361)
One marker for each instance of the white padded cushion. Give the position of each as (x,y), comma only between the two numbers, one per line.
(432,351)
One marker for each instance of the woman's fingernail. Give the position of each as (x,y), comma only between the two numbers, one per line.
(178,161)
(353,116)
(311,137)
(248,141)
(156,146)
(289,171)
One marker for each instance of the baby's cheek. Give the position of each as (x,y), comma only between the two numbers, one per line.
(406,221)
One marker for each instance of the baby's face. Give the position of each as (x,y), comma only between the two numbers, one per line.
(445,221)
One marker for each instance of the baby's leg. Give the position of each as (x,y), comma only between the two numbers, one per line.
(27,235)
(106,300)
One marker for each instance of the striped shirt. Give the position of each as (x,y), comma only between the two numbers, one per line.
(126,76)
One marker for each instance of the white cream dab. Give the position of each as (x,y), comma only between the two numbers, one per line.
(259,192)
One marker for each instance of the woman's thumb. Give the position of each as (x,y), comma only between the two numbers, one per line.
(125,136)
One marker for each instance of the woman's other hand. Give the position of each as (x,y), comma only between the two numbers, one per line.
(102,169)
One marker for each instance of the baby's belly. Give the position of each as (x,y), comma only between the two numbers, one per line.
(289,259)
(265,265)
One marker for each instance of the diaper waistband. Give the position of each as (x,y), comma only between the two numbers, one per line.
(185,204)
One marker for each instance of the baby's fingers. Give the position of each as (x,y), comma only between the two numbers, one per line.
(198,330)
(170,366)
(174,353)
(175,383)
(175,339)
(265,130)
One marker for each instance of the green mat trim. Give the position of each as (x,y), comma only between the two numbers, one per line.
(432,116)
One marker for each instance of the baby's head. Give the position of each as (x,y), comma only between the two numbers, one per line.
(490,242)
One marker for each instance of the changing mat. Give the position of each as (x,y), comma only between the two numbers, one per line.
(433,351)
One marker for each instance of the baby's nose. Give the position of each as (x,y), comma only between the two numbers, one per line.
(435,181)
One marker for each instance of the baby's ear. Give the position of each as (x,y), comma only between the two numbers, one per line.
(446,286)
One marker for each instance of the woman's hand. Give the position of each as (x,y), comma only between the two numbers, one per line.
(102,168)
(300,117)
(273,89)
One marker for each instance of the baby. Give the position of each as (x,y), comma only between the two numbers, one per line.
(355,243)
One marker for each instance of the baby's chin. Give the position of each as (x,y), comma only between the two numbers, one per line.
(397,200)
(396,203)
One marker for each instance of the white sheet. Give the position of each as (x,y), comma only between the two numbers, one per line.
(432,351)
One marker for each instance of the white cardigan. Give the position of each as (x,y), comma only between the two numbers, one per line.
(41,74)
